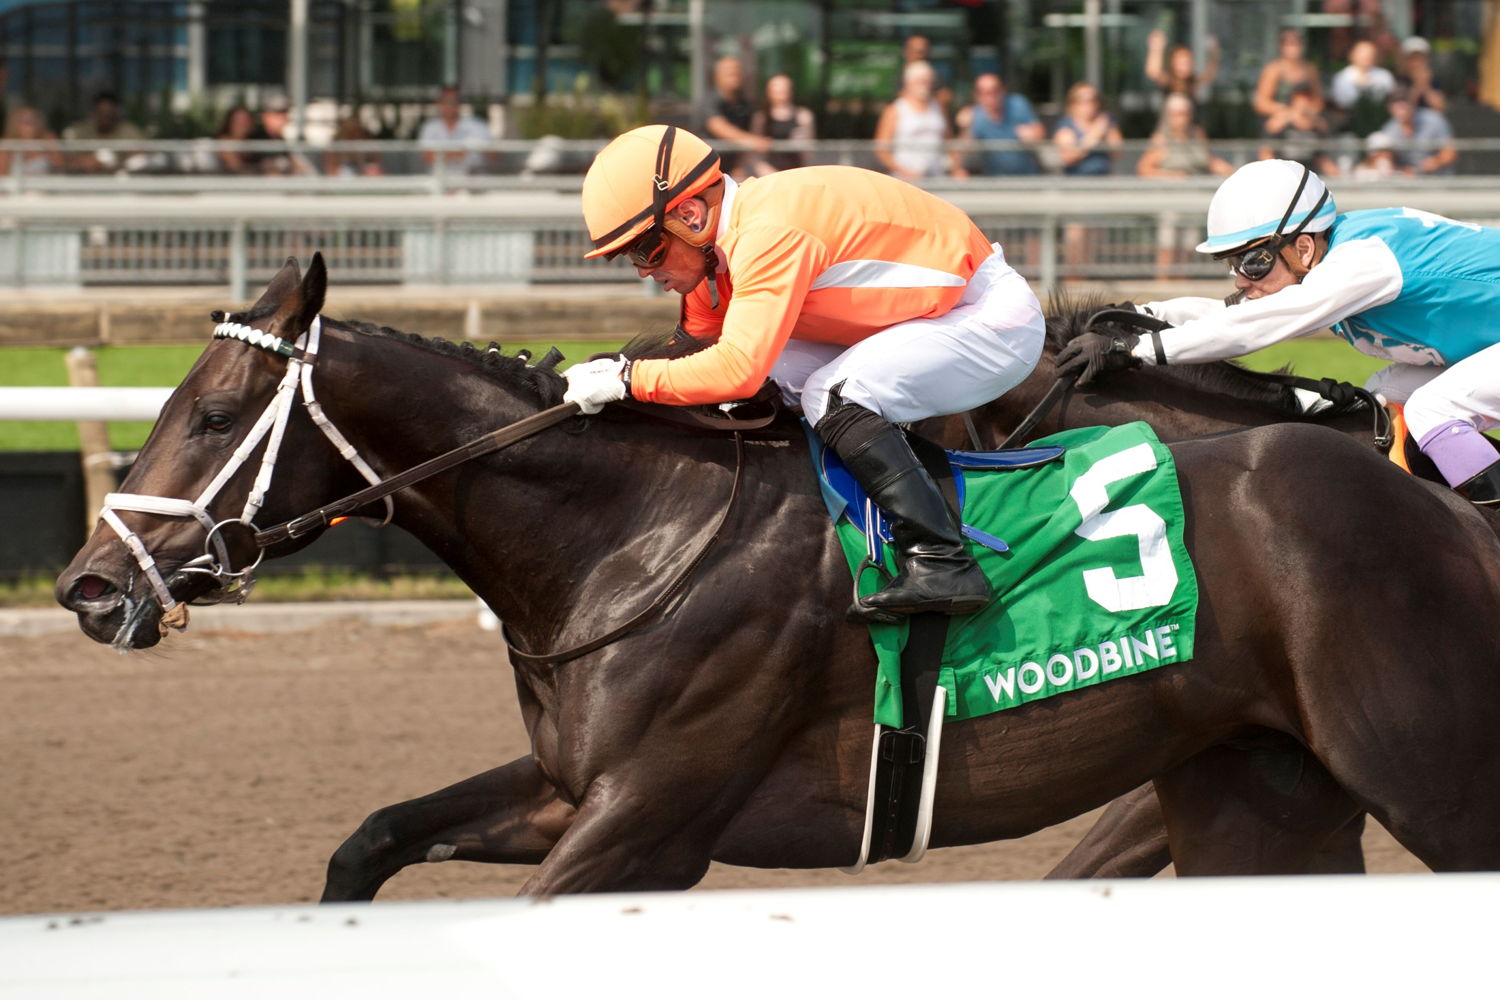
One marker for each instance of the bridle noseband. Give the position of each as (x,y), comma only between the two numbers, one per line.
(214,562)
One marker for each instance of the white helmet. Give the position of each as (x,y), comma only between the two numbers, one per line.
(1263,198)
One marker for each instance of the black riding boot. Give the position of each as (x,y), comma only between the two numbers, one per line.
(936,571)
(1483,488)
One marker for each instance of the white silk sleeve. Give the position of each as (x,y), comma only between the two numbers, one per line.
(1355,276)
(1183,310)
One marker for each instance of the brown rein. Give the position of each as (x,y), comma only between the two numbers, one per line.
(493,441)
(517,655)
(508,435)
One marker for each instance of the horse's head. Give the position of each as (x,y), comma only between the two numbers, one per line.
(180,529)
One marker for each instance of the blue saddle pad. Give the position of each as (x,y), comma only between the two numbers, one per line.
(846,498)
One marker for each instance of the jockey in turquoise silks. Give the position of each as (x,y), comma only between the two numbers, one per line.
(1415,288)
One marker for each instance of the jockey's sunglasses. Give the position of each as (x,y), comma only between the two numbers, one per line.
(649,249)
(1255,263)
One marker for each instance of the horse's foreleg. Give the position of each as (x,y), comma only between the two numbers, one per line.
(1266,809)
(1128,841)
(508,815)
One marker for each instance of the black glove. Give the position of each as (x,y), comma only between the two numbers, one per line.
(1089,355)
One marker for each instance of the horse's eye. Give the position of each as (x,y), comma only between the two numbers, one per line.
(218,423)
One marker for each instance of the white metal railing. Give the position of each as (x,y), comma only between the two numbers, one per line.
(528,231)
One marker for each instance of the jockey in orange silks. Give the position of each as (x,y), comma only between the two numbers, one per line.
(865,298)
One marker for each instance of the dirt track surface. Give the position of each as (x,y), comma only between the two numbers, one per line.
(224,768)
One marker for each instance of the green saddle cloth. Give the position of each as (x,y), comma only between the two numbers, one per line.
(1097,584)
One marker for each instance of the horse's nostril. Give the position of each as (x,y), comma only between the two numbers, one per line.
(91,587)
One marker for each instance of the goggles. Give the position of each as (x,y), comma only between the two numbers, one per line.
(649,249)
(1255,263)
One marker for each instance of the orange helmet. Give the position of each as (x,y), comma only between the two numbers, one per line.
(641,176)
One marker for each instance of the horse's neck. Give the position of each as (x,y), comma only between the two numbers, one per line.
(537,530)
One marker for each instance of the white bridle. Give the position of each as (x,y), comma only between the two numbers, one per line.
(237,583)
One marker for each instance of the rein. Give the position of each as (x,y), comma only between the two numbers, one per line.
(518,431)
(484,445)
(1343,396)
(661,600)
(301,359)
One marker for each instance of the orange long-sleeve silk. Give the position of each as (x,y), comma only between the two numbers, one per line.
(832,254)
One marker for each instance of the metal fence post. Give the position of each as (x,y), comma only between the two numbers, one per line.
(1048,270)
(238,260)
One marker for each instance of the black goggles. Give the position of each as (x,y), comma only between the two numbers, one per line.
(1255,263)
(648,249)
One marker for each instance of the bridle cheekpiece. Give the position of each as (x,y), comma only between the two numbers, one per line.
(271,427)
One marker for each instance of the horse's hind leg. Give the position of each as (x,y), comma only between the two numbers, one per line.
(508,815)
(1266,808)
(1128,841)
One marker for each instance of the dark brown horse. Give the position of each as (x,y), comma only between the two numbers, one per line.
(736,725)
(1183,401)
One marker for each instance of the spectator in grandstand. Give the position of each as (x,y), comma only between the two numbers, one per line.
(729,120)
(105,123)
(1179,147)
(1421,137)
(918,48)
(273,121)
(451,125)
(1379,163)
(1360,88)
(1283,76)
(1416,75)
(1297,130)
(1174,72)
(26,123)
(1086,140)
(1086,136)
(912,134)
(238,125)
(780,119)
(997,115)
(339,162)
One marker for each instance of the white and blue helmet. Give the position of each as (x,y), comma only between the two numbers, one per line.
(1265,198)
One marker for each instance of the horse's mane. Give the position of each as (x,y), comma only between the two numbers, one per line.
(541,377)
(1067,318)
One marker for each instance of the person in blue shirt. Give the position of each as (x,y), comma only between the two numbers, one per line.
(1418,289)
(997,114)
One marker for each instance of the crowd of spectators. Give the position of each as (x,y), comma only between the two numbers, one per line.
(1396,111)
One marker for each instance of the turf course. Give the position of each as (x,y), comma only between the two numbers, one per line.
(166,365)
(149,366)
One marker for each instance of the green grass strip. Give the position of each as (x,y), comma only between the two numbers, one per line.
(149,366)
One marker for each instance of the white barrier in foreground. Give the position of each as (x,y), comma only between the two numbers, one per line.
(1393,935)
(75,403)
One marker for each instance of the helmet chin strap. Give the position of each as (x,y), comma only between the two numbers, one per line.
(710,268)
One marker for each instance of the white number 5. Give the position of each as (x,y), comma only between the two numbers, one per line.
(1155,586)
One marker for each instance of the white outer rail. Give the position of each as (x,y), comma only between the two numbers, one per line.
(76,403)
(1362,936)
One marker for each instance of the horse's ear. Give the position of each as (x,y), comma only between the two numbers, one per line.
(285,283)
(314,291)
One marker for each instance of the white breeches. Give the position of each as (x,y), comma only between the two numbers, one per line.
(1467,390)
(980,349)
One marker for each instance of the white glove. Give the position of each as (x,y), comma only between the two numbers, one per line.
(591,384)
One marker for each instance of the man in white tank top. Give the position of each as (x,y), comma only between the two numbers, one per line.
(913,130)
